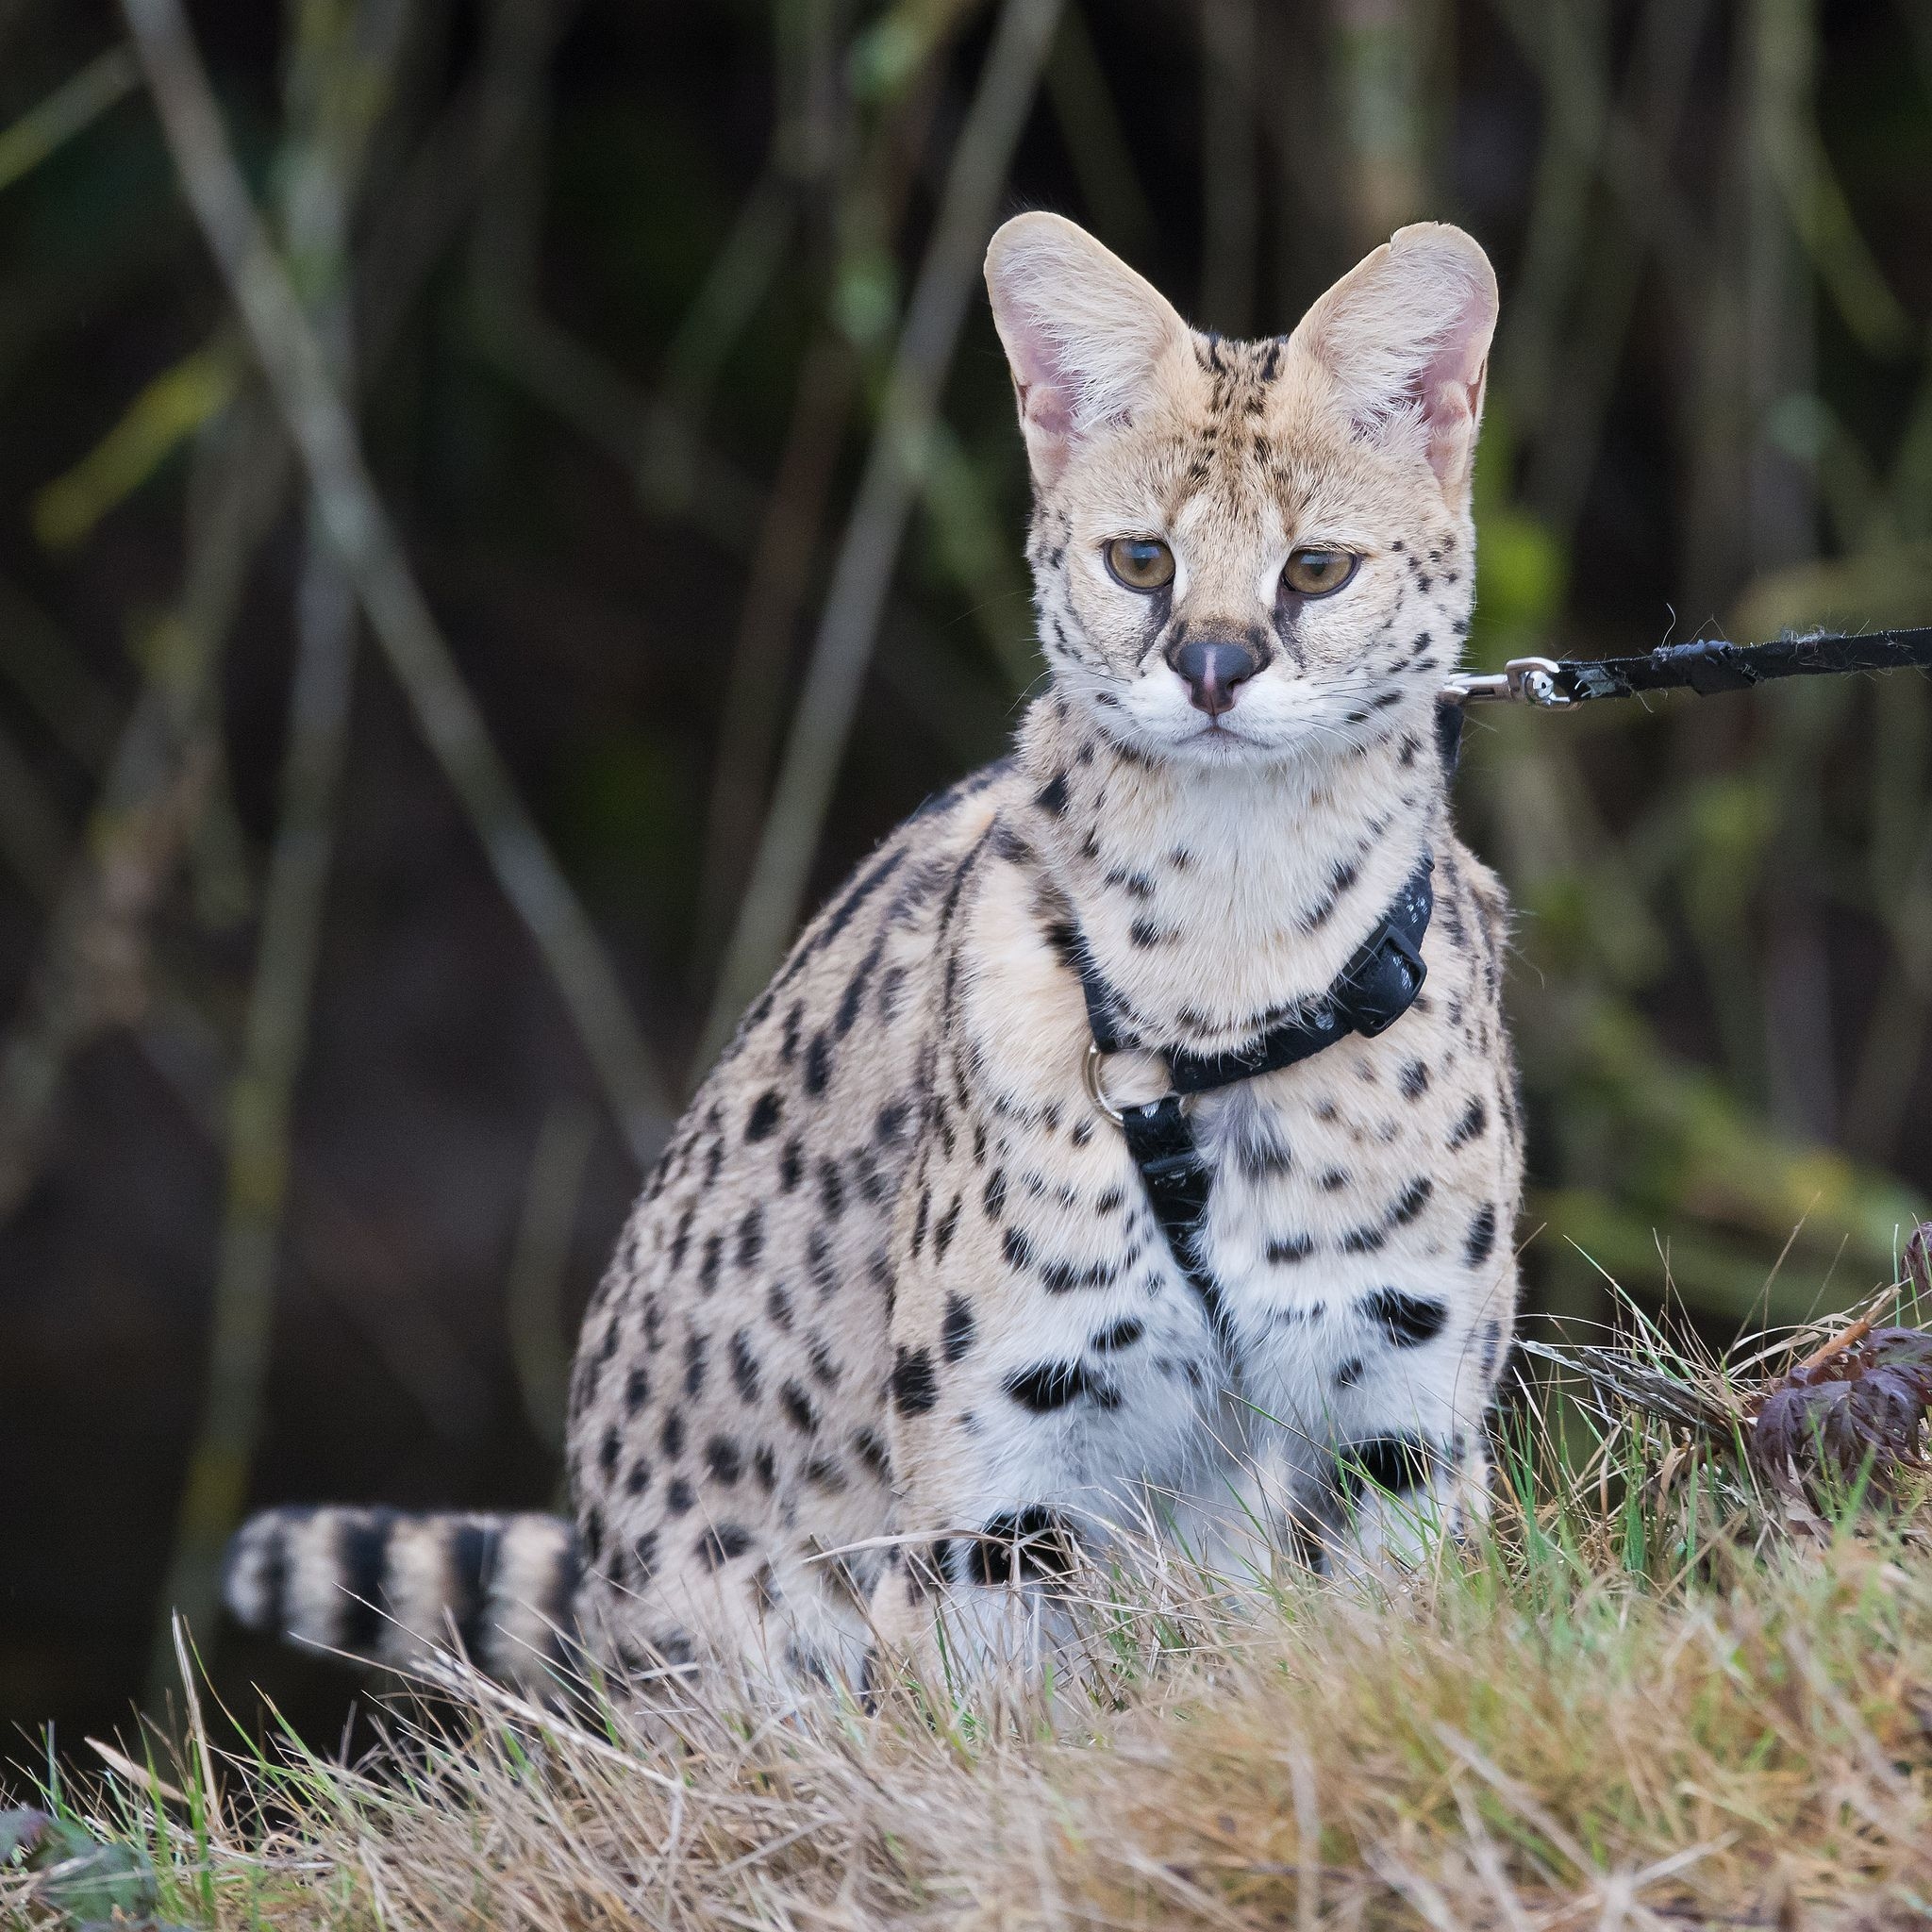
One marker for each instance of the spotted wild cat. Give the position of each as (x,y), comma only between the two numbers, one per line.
(896,1325)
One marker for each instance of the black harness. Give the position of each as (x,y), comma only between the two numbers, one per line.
(1373,991)
(1383,976)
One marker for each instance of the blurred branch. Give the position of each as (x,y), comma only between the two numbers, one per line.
(780,574)
(1569,411)
(360,529)
(73,107)
(1379,51)
(88,972)
(90,969)
(167,412)
(741,277)
(862,573)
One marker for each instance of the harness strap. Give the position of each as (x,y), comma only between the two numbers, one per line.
(1373,990)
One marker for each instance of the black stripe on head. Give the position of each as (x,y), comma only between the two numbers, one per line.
(474,1551)
(362,1538)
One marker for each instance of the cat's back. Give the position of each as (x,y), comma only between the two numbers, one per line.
(730,1377)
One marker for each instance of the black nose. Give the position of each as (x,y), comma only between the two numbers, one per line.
(1212,668)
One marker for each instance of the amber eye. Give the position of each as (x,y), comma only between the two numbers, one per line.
(1141,563)
(1315,572)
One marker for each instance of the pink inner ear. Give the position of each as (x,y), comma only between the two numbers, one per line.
(1450,386)
(1045,405)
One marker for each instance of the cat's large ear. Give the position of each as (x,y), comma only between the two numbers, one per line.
(1403,338)
(1083,333)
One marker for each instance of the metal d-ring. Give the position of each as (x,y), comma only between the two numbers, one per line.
(1096,1092)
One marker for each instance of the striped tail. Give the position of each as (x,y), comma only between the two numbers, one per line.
(386,1587)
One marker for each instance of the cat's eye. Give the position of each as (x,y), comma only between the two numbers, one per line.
(1141,563)
(1316,573)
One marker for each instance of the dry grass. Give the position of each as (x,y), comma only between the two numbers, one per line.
(1642,1701)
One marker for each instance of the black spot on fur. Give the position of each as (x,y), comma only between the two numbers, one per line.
(720,1544)
(823,1364)
(1052,796)
(958,1328)
(744,1366)
(1406,1319)
(818,1063)
(1395,1463)
(671,1433)
(778,1307)
(1473,1125)
(872,1451)
(995,1199)
(914,1388)
(831,1189)
(1492,1347)
(942,1232)
(1413,1199)
(679,1497)
(1019,1250)
(1050,1386)
(1415,1080)
(751,1236)
(1021,1545)
(764,1115)
(1122,1335)
(636,1391)
(798,1409)
(1482,1237)
(724,1459)
(1350,1373)
(1289,1248)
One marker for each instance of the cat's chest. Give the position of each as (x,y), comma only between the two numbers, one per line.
(1336,1177)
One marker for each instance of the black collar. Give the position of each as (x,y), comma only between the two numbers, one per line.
(1373,990)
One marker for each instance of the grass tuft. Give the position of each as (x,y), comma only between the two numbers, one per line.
(1657,1690)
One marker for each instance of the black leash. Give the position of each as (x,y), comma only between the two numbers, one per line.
(1374,990)
(1382,978)
(1706,667)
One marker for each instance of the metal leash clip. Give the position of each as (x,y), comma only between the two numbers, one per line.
(1523,680)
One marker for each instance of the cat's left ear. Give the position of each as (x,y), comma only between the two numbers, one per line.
(1405,339)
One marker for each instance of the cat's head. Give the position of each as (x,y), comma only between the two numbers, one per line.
(1246,551)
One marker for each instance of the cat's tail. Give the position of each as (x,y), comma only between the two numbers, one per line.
(387,1588)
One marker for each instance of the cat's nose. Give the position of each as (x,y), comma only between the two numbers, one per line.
(1212,667)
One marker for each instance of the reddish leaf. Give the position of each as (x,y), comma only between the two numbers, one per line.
(1864,1405)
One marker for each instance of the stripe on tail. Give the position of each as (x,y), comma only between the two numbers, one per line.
(384,1585)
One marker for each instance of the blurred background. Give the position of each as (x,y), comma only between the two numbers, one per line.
(392,825)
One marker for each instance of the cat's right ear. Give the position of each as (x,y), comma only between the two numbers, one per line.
(1083,334)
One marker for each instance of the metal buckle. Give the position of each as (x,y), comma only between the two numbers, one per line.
(1096,1092)
(1523,680)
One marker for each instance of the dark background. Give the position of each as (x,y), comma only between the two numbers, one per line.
(305,1168)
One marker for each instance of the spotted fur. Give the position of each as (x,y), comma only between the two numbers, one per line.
(892,1334)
